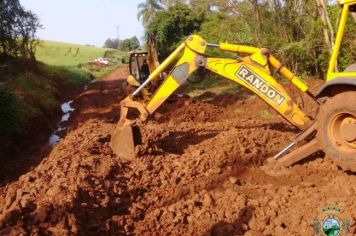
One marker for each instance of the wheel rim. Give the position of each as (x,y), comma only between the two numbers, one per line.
(342,132)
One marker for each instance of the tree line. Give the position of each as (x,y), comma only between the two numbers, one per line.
(123,45)
(18,28)
(300,32)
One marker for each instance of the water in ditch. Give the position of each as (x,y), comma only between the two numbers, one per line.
(67,109)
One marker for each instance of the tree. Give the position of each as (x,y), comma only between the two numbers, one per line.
(129,44)
(298,31)
(170,26)
(147,10)
(327,27)
(170,3)
(124,45)
(111,43)
(18,29)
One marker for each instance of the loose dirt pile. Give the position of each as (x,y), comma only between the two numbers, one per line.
(197,172)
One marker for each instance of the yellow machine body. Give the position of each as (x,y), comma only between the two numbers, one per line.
(333,131)
(347,6)
(252,72)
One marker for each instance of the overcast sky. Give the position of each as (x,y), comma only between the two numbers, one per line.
(86,21)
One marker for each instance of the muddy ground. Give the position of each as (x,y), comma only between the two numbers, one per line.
(197,172)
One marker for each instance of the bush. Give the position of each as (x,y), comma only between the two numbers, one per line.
(74,75)
(8,112)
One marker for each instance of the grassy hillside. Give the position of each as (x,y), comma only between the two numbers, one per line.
(31,92)
(67,54)
(59,56)
(30,98)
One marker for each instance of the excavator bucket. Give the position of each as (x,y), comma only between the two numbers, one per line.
(122,142)
(123,139)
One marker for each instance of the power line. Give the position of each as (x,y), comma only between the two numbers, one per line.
(118,36)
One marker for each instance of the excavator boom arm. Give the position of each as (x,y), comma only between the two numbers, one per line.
(262,84)
(252,72)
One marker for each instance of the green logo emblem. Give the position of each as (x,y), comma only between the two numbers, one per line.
(331,226)
(332,223)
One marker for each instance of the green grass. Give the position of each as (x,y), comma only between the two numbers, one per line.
(11,112)
(212,83)
(72,74)
(67,54)
(38,89)
(24,97)
(73,59)
(71,62)
(32,90)
(264,114)
(208,82)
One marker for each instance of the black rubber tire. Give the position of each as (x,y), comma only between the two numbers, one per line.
(342,103)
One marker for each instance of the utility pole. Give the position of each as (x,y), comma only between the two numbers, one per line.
(118,37)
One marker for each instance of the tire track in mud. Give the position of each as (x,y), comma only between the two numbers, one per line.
(197,172)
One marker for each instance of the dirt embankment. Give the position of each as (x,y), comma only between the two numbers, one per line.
(197,172)
(30,109)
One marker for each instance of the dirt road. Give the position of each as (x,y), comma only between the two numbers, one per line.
(197,172)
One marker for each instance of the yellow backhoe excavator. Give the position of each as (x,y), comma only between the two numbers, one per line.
(332,131)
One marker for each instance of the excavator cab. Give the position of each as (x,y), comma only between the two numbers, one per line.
(136,60)
(138,71)
(141,65)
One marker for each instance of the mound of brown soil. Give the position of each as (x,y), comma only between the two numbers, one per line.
(197,172)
